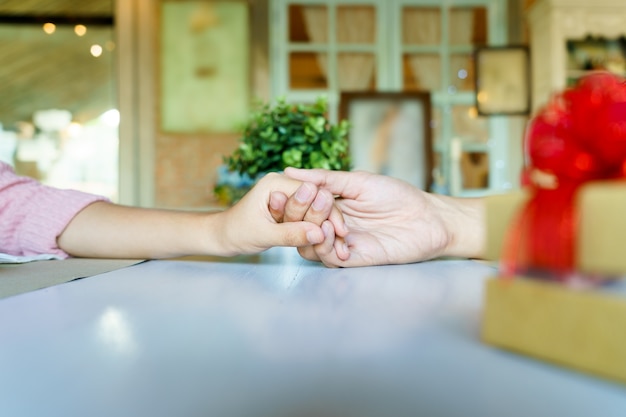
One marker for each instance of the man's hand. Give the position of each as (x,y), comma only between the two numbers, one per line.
(391,221)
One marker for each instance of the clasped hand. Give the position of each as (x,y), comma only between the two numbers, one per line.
(370,219)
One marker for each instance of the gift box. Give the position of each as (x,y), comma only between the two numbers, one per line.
(561,244)
(582,328)
(601,245)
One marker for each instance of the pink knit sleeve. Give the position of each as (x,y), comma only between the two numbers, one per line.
(33,215)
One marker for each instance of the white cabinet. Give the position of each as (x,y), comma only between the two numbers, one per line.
(552,23)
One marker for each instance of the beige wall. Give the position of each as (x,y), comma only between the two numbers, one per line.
(170,170)
(185,165)
(179,171)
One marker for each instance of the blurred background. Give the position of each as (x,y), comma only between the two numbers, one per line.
(140,100)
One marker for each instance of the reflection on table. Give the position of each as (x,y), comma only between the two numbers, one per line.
(274,335)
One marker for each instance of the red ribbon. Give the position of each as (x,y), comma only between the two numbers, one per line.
(580,136)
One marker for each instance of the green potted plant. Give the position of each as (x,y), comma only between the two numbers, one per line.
(281,135)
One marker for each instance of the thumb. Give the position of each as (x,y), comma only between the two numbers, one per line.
(296,234)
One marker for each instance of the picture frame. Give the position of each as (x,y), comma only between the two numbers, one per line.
(390,134)
(204,72)
(503,81)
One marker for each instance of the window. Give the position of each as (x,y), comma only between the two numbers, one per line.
(321,51)
(58,117)
(326,47)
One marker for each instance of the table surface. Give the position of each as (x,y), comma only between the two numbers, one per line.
(274,335)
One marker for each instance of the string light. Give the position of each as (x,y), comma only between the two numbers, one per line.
(96,50)
(49,28)
(80,30)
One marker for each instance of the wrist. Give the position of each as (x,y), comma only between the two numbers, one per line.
(215,235)
(464,222)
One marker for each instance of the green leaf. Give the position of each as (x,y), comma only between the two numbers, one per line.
(293,157)
(285,134)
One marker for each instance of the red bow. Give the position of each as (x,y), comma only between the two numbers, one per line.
(579,136)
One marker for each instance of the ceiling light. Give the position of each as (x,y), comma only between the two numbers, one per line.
(80,30)
(49,28)
(96,50)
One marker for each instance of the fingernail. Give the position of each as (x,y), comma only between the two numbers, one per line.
(312,237)
(304,193)
(274,204)
(327,229)
(319,202)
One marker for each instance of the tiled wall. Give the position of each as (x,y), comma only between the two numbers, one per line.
(186,169)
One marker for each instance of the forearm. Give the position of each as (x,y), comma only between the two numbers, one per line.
(464,219)
(105,230)
(33,215)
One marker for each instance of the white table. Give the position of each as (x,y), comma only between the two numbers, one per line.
(275,336)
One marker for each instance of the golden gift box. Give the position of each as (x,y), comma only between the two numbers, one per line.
(584,329)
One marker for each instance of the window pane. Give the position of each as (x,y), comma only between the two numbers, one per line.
(468,126)
(357,71)
(462,72)
(474,170)
(409,82)
(468,26)
(422,71)
(421,25)
(307,70)
(356,24)
(308,24)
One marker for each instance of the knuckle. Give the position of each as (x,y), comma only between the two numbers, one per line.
(307,253)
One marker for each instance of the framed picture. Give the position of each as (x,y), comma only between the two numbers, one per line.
(390,134)
(204,65)
(502,80)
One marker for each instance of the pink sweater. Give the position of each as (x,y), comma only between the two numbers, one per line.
(33,215)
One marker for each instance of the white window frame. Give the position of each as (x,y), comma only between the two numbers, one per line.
(280,49)
(388,50)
